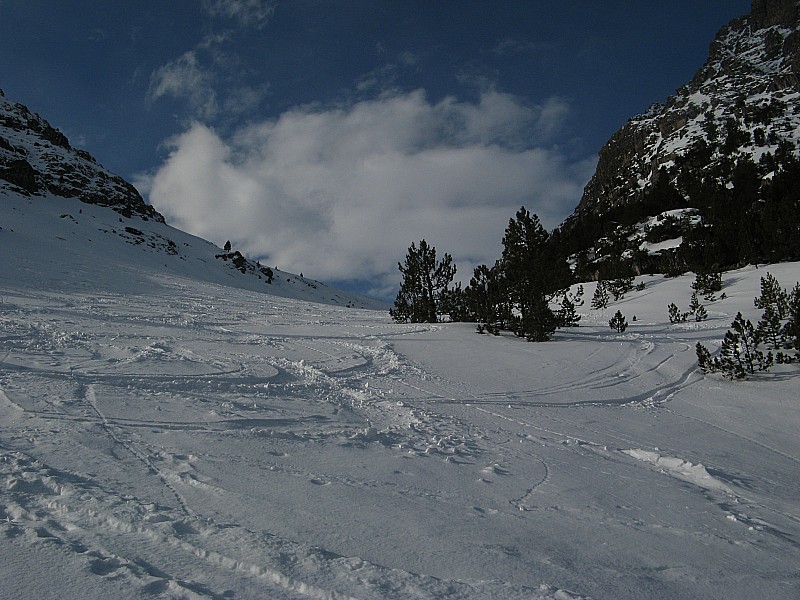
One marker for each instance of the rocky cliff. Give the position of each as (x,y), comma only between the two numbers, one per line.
(744,102)
(37,159)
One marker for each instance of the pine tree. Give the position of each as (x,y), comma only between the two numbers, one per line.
(675,315)
(772,294)
(425,287)
(532,275)
(730,361)
(699,311)
(618,322)
(707,284)
(770,327)
(620,286)
(748,341)
(539,322)
(567,316)
(704,358)
(739,354)
(791,330)
(484,298)
(600,297)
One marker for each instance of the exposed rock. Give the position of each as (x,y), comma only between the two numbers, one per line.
(20,173)
(767,13)
(750,81)
(38,158)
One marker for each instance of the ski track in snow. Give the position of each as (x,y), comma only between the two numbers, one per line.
(164,441)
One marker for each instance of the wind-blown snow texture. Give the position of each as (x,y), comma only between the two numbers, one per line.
(175,431)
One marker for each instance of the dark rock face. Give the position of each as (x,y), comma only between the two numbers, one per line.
(767,13)
(744,101)
(36,158)
(20,173)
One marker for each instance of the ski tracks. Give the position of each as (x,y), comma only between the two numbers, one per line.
(123,538)
(91,399)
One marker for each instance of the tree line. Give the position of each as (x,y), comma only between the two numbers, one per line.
(515,294)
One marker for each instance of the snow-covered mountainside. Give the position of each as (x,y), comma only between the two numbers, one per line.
(61,213)
(745,101)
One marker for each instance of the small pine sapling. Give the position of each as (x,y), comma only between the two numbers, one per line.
(675,315)
(620,286)
(754,359)
(618,322)
(707,283)
(567,316)
(699,311)
(704,360)
(600,298)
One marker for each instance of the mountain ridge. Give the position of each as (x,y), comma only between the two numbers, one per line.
(36,158)
(723,149)
(752,75)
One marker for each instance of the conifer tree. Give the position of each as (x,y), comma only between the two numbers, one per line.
(707,283)
(567,316)
(739,355)
(675,315)
(532,274)
(618,322)
(790,333)
(539,322)
(699,311)
(425,286)
(600,297)
(620,286)
(772,294)
(484,298)
(770,327)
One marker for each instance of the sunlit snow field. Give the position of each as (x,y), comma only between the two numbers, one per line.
(163,436)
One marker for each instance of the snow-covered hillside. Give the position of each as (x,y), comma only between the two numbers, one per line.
(169,431)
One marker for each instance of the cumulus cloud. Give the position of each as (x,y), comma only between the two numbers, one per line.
(249,13)
(340,193)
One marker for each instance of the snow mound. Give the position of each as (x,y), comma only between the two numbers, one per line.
(681,469)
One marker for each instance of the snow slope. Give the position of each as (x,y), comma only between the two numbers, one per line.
(169,431)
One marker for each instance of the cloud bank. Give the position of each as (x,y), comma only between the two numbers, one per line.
(340,193)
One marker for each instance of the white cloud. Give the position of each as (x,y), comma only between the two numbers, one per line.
(187,79)
(341,193)
(249,13)
(210,80)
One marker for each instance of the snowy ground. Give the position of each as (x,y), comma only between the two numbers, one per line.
(166,436)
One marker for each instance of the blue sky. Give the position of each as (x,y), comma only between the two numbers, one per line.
(325,136)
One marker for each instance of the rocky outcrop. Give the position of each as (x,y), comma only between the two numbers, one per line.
(37,159)
(745,101)
(20,173)
(768,13)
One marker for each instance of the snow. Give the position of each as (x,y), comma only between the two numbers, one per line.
(172,428)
